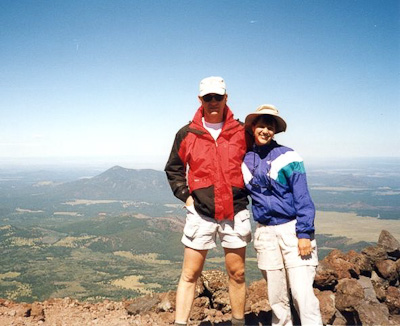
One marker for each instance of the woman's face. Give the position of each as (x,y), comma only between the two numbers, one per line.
(263,131)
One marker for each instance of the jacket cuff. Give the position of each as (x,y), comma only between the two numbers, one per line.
(303,235)
(185,194)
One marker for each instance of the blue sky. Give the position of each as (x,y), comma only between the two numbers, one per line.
(111,82)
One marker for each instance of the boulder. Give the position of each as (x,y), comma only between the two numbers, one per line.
(387,269)
(372,314)
(165,318)
(393,300)
(380,285)
(339,319)
(388,242)
(349,294)
(23,310)
(200,289)
(214,317)
(221,301)
(327,306)
(326,277)
(257,298)
(374,254)
(214,280)
(398,266)
(339,263)
(369,291)
(362,262)
(37,312)
(200,306)
(167,302)
(141,305)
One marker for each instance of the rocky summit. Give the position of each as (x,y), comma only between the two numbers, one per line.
(354,288)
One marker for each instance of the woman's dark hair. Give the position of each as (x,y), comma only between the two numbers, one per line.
(264,118)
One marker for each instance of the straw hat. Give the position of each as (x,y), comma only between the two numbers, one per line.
(266,109)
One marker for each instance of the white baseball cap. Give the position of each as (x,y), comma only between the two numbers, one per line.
(212,85)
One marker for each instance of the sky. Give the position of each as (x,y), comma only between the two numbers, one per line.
(111,82)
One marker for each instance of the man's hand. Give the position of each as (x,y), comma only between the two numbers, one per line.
(189,201)
(304,247)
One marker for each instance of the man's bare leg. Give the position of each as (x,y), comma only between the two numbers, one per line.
(193,263)
(235,267)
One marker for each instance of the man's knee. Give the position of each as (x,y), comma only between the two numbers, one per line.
(190,276)
(237,276)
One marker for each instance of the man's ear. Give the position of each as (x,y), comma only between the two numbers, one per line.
(200,99)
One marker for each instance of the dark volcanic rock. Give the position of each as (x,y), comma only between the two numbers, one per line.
(380,286)
(372,314)
(221,301)
(257,299)
(339,319)
(326,278)
(368,287)
(142,304)
(214,280)
(387,269)
(389,243)
(327,306)
(339,263)
(349,294)
(362,262)
(200,306)
(37,312)
(352,289)
(375,254)
(167,302)
(393,300)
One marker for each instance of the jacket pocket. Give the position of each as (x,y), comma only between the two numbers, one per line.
(264,241)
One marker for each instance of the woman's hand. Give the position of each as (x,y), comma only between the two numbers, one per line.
(304,247)
(189,201)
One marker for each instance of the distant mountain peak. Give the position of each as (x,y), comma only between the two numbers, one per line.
(121,183)
(117,167)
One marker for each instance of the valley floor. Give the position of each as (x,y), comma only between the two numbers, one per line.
(355,228)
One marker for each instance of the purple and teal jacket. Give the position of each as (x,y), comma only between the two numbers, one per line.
(275,178)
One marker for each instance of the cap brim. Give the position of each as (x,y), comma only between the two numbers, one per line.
(212,90)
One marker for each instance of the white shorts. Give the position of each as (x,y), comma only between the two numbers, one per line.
(277,247)
(200,231)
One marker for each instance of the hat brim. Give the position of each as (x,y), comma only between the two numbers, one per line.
(212,90)
(280,123)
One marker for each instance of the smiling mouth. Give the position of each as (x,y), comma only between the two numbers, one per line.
(265,137)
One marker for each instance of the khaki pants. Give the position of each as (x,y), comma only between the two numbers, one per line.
(279,260)
(299,280)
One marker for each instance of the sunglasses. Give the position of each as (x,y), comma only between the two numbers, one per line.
(209,97)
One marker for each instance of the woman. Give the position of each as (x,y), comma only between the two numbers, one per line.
(282,207)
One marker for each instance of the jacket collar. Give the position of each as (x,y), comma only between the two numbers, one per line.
(229,121)
(264,150)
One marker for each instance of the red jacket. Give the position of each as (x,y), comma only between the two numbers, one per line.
(214,178)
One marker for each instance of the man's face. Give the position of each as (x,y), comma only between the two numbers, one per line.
(214,107)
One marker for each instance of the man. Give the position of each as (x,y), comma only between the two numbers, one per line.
(204,171)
